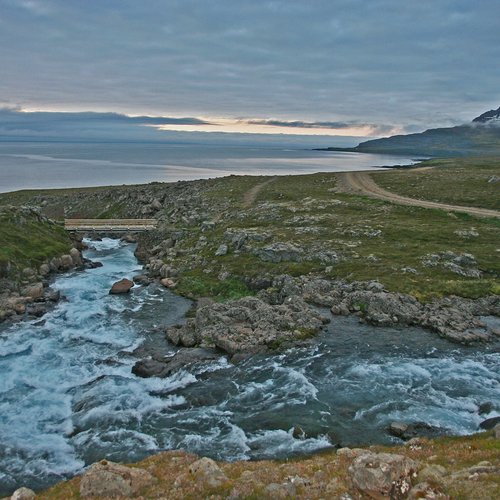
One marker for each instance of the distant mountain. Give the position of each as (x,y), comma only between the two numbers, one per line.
(488,117)
(480,137)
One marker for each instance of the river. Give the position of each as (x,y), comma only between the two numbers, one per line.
(68,397)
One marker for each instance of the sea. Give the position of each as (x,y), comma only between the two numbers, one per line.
(43,165)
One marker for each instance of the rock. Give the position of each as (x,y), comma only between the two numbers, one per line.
(205,470)
(408,431)
(398,429)
(52,295)
(66,262)
(285,490)
(129,238)
(350,452)
(168,283)
(165,271)
(55,264)
(37,310)
(383,475)
(141,279)
(222,250)
(486,407)
(298,432)
(163,367)
(110,480)
(156,204)
(432,473)
(76,257)
(426,491)
(249,325)
(44,269)
(34,291)
(496,431)
(122,286)
(279,252)
(23,494)
(489,423)
(92,264)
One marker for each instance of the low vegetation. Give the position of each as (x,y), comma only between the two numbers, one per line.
(27,240)
(456,181)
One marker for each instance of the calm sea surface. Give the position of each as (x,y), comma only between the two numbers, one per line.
(28,165)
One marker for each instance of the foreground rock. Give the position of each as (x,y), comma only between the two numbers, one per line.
(470,470)
(113,480)
(23,494)
(122,286)
(248,325)
(205,470)
(383,475)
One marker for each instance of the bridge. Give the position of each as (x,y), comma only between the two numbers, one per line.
(110,225)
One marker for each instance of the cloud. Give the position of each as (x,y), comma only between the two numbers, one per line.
(15,123)
(374,128)
(427,63)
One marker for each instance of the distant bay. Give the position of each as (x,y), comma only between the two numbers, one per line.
(37,165)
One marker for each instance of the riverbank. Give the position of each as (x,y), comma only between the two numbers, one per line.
(33,249)
(466,467)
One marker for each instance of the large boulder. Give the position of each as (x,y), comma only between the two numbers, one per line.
(383,475)
(76,256)
(206,471)
(66,262)
(107,479)
(122,286)
(23,494)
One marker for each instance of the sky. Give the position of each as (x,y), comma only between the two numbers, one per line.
(364,68)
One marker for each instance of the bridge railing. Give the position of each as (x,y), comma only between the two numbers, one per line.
(132,225)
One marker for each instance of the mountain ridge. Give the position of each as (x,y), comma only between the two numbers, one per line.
(481,137)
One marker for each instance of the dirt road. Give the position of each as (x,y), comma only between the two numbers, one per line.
(363,183)
(250,196)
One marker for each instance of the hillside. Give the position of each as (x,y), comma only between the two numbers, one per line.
(479,138)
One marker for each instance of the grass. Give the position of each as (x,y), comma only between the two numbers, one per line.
(27,241)
(455,181)
(193,284)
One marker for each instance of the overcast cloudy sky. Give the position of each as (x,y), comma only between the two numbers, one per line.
(351,67)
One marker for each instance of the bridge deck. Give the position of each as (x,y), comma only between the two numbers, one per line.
(112,225)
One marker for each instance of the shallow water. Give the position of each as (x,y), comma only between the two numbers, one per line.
(68,397)
(26,165)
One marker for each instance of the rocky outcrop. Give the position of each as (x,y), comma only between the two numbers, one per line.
(122,286)
(279,252)
(107,479)
(248,325)
(383,475)
(454,318)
